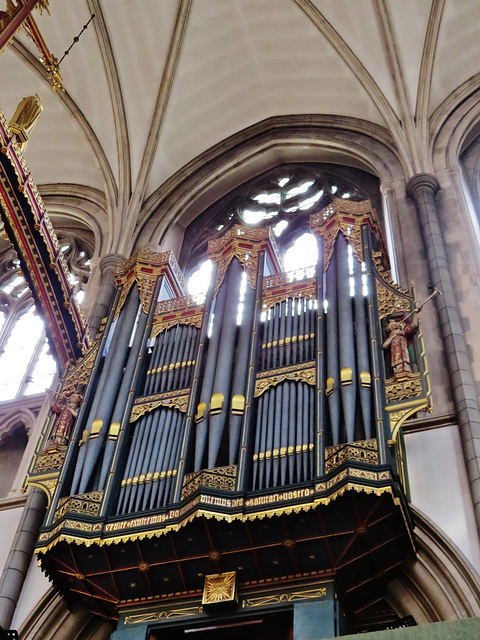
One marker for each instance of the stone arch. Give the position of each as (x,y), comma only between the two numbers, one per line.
(51,619)
(438,583)
(248,153)
(15,418)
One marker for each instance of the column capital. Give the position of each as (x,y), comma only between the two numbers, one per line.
(110,262)
(422,181)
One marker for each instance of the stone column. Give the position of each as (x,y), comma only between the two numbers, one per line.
(106,291)
(422,188)
(21,551)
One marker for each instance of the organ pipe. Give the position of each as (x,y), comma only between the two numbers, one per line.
(333,361)
(226,352)
(345,338)
(107,390)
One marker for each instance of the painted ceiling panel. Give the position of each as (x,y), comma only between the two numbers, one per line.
(458,49)
(410,20)
(357,24)
(140,60)
(243,62)
(57,152)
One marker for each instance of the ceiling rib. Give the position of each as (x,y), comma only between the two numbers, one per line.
(118,103)
(161,105)
(72,108)
(393,59)
(425,78)
(366,80)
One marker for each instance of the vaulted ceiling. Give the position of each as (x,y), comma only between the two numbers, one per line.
(152,84)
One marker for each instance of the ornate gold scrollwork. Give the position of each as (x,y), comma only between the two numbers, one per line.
(183,310)
(173,399)
(244,243)
(144,267)
(218,478)
(401,388)
(390,296)
(49,460)
(348,217)
(278,287)
(361,451)
(220,587)
(155,616)
(293,596)
(298,373)
(88,504)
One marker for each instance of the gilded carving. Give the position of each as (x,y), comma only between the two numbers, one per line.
(41,283)
(172,399)
(220,587)
(277,288)
(399,415)
(362,473)
(183,310)
(294,596)
(47,483)
(298,373)
(24,119)
(176,304)
(79,374)
(390,296)
(244,243)
(361,451)
(159,524)
(146,285)
(49,460)
(87,504)
(79,526)
(401,388)
(127,285)
(218,478)
(145,267)
(348,217)
(155,616)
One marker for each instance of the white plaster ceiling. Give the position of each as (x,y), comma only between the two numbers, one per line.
(154,83)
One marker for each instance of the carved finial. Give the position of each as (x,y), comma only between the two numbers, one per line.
(25,117)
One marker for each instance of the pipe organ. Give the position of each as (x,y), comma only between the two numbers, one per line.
(266,451)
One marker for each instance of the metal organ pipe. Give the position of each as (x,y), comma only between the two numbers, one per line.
(123,394)
(224,364)
(292,440)
(107,391)
(302,305)
(333,369)
(362,344)
(170,461)
(240,371)
(209,373)
(346,338)
(154,360)
(151,463)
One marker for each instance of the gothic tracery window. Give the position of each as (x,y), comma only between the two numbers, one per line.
(26,364)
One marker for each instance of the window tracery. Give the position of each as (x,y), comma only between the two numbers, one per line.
(26,365)
(283,198)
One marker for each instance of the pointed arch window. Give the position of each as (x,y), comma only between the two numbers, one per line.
(26,366)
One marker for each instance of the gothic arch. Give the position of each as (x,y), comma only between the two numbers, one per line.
(277,140)
(16,418)
(50,619)
(437,584)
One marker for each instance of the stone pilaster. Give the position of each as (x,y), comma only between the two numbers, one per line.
(106,291)
(422,188)
(21,552)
